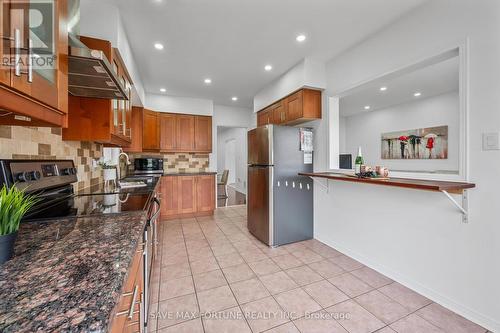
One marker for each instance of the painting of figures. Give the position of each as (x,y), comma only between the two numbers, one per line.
(422,144)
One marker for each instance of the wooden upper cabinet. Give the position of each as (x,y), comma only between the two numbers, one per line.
(293,105)
(264,117)
(107,121)
(185,133)
(36,86)
(203,134)
(302,106)
(151,131)
(205,192)
(168,132)
(279,113)
(136,123)
(5,43)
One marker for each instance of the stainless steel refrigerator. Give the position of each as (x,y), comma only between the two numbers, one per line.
(280,202)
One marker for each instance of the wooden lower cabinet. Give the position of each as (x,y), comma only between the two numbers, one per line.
(189,195)
(121,322)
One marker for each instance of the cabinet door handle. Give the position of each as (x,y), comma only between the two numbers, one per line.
(30,60)
(17,50)
(134,300)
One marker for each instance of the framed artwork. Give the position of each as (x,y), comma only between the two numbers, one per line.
(422,144)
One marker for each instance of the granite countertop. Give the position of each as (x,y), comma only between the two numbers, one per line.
(67,274)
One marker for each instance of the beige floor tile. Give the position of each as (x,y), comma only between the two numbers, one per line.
(326,269)
(203,266)
(231,259)
(371,277)
(382,306)
(177,310)
(350,285)
(303,275)
(238,273)
(405,296)
(325,293)
(326,251)
(294,247)
(251,256)
(319,322)
(177,287)
(216,299)
(355,318)
(297,303)
(307,256)
(227,321)
(414,324)
(249,290)
(209,280)
(287,261)
(285,328)
(264,267)
(223,249)
(174,260)
(278,282)
(386,329)
(191,326)
(346,263)
(448,321)
(274,252)
(264,314)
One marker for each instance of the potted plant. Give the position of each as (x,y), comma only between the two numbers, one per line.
(14,204)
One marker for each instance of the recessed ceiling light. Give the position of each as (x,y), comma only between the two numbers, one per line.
(234,98)
(268,67)
(383,88)
(301,38)
(163,90)
(417,94)
(367,107)
(208,81)
(158,46)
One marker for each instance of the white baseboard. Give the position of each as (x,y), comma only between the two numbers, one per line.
(472,315)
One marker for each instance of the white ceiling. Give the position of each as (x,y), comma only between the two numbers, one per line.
(230,41)
(432,80)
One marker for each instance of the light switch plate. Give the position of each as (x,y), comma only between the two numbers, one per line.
(491,141)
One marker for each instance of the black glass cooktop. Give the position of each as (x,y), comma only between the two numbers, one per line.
(86,205)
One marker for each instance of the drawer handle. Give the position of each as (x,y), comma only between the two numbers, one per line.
(130,311)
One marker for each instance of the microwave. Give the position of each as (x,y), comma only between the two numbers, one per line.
(148,165)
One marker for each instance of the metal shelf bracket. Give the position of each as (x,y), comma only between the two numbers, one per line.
(464,207)
(326,186)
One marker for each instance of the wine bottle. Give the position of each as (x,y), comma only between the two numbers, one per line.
(359,162)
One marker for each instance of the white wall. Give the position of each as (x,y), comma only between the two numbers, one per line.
(102,20)
(239,135)
(307,73)
(228,116)
(417,237)
(364,130)
(173,104)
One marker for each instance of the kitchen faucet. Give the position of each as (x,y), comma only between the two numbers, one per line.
(118,169)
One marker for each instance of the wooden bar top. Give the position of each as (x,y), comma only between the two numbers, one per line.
(420,184)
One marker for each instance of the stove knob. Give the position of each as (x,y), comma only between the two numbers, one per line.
(22,177)
(35,175)
(68,171)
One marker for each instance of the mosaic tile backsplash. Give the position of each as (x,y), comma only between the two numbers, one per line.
(18,142)
(179,162)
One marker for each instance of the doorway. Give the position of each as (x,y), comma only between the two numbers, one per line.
(232,159)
